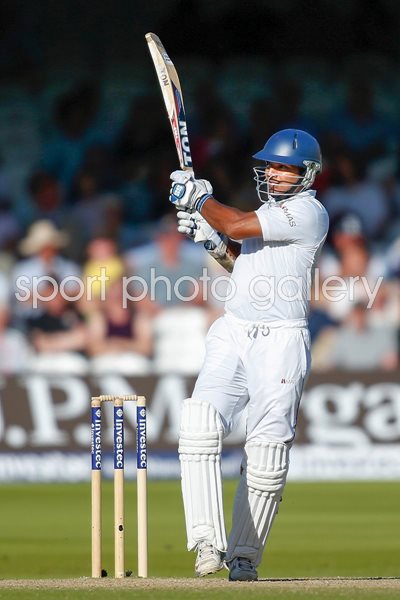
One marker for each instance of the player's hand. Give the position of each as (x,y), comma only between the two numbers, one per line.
(186,191)
(196,228)
(186,224)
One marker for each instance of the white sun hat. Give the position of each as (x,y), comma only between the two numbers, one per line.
(41,234)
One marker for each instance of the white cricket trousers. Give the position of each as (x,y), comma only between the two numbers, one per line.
(263,366)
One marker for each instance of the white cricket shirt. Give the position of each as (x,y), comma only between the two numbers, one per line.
(272,276)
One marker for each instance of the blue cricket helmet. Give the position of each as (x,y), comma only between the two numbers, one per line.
(290,147)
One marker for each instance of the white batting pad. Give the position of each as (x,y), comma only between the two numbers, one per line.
(200,443)
(257,499)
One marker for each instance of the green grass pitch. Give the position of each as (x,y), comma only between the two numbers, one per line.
(322,530)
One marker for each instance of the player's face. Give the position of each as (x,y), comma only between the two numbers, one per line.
(281,178)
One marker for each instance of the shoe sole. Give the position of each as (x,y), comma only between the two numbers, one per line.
(210,571)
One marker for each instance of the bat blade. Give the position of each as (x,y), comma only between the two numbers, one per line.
(173,99)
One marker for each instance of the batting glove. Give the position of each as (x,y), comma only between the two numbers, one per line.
(186,223)
(187,192)
(196,228)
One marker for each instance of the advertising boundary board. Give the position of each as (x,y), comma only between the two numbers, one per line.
(348,427)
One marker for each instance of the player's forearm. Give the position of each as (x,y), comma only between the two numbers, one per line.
(232,222)
(223,218)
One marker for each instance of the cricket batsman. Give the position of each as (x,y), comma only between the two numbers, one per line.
(257,354)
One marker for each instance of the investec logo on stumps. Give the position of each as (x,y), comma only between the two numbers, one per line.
(141,450)
(96,439)
(118,438)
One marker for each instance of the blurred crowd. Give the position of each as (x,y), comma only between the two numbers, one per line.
(84,192)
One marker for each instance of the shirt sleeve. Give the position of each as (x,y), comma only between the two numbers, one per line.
(293,222)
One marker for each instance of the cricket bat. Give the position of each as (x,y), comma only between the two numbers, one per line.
(173,99)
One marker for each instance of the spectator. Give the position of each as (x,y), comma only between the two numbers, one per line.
(393,259)
(142,149)
(351,192)
(207,111)
(217,147)
(14,349)
(391,186)
(169,268)
(144,133)
(318,321)
(99,160)
(57,334)
(357,345)
(120,336)
(90,215)
(42,245)
(102,268)
(138,199)
(45,200)
(359,270)
(169,272)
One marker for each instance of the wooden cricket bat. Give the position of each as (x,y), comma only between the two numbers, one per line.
(173,99)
